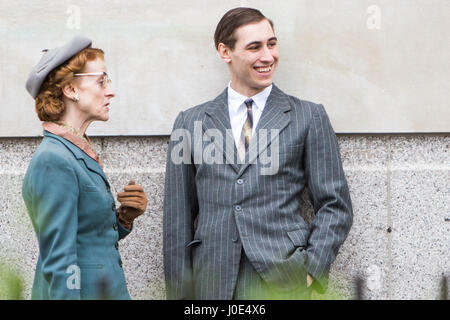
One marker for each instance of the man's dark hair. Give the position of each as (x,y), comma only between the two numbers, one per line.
(234,19)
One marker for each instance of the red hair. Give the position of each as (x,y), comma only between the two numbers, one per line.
(49,101)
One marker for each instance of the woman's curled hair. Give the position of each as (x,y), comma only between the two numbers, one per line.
(49,101)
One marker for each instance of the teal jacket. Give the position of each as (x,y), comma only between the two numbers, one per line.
(73,213)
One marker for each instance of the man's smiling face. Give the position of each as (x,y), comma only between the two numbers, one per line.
(253,59)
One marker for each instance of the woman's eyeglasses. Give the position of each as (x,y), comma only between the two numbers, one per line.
(106,80)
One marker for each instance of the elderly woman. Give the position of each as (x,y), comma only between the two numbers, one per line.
(66,192)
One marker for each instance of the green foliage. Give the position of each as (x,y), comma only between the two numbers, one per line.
(11,284)
(330,294)
(272,292)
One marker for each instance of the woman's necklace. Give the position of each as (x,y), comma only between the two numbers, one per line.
(78,134)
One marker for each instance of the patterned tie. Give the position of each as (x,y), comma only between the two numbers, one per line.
(246,133)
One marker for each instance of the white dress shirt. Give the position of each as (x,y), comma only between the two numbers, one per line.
(238,110)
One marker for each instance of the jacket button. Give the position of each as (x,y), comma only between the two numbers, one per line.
(120,263)
(113,207)
(116,245)
(240,181)
(115,226)
(234,239)
(108,188)
(238,208)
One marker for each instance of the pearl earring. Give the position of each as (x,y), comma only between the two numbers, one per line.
(75,97)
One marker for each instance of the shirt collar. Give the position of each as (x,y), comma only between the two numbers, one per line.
(235,99)
(62,132)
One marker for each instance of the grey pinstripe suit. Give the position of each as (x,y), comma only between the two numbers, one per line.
(214,211)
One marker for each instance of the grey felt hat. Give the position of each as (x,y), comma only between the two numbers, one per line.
(53,58)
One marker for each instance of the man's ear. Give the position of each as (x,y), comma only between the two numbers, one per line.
(224,52)
(68,91)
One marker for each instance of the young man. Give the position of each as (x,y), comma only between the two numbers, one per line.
(232,223)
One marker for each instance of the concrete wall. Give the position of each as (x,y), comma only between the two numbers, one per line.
(398,183)
(376,65)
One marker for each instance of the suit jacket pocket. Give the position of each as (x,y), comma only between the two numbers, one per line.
(290,148)
(87,188)
(91,266)
(299,237)
(193,243)
(288,274)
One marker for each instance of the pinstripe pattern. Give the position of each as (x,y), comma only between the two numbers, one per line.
(209,218)
(250,286)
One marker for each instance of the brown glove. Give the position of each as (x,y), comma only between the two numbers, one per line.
(133,203)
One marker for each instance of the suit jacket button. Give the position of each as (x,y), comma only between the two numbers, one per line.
(234,239)
(115,226)
(120,263)
(108,188)
(238,208)
(116,245)
(240,181)
(113,207)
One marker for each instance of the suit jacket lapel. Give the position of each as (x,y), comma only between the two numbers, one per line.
(90,163)
(274,119)
(218,118)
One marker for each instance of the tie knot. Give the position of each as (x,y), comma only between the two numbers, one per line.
(248,103)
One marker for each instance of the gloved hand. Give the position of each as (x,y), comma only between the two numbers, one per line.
(133,203)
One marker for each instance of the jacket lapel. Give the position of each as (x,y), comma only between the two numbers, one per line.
(90,163)
(218,118)
(274,119)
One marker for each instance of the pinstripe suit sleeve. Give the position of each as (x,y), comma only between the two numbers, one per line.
(330,197)
(180,210)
